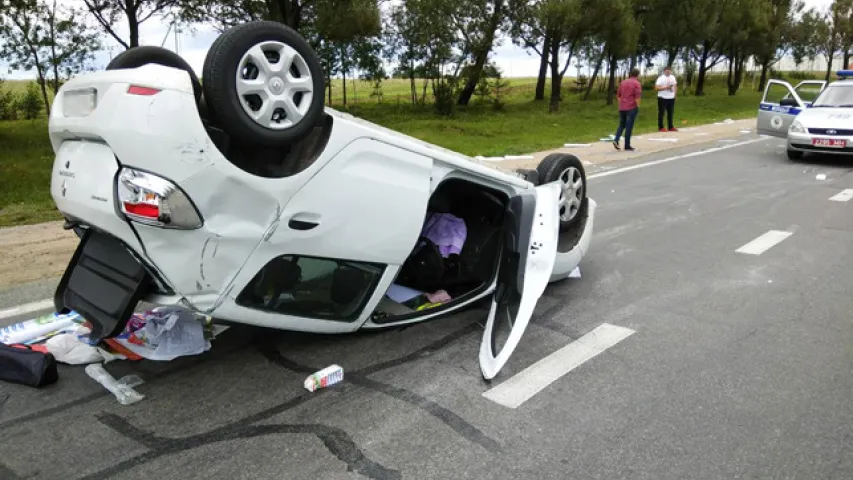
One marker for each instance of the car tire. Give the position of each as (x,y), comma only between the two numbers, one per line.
(139,56)
(794,154)
(569,171)
(231,57)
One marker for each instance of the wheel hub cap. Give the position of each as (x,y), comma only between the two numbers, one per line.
(571,194)
(274,85)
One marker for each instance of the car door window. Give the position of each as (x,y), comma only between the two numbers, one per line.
(776,92)
(314,287)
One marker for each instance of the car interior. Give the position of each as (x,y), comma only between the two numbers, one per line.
(435,275)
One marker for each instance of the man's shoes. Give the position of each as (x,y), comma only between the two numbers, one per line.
(661,129)
(615,144)
(673,129)
(629,149)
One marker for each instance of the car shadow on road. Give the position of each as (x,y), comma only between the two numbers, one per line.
(826,160)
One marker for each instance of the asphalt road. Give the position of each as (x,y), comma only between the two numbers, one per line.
(739,365)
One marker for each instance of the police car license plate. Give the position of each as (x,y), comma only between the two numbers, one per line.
(829,142)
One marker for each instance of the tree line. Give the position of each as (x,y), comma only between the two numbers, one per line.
(444,48)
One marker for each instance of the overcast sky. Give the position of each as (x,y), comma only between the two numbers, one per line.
(514,61)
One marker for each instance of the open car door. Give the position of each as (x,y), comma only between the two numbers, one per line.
(808,90)
(778,108)
(527,259)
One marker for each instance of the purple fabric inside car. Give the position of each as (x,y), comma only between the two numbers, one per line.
(448,232)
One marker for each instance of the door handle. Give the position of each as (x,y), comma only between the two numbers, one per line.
(301,224)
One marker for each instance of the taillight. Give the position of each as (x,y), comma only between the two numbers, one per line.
(146,198)
(144,91)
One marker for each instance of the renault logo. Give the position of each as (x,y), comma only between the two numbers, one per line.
(832,132)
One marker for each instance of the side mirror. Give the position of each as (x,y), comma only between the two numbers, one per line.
(789,102)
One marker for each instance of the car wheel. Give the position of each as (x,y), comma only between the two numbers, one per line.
(568,170)
(264,84)
(139,56)
(794,154)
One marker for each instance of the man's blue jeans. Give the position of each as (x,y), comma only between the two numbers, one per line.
(626,124)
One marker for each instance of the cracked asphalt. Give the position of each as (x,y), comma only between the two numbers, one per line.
(740,366)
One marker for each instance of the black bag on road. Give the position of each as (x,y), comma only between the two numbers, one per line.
(26,366)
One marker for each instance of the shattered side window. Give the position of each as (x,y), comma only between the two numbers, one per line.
(325,288)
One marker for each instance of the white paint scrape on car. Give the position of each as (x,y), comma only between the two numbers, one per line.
(247,200)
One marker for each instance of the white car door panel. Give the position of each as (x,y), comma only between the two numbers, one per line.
(367,204)
(775,114)
(319,267)
(527,261)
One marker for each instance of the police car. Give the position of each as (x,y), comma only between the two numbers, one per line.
(822,125)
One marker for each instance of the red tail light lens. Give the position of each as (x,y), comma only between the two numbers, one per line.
(146,198)
(144,91)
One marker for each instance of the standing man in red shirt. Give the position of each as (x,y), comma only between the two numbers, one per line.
(629,94)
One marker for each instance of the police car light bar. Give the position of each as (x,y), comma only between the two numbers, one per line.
(844,74)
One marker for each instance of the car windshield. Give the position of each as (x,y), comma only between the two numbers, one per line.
(835,96)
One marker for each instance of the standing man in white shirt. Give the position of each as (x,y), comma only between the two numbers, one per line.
(666,86)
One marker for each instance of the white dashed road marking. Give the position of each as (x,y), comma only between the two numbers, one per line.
(844,196)
(26,308)
(764,242)
(533,379)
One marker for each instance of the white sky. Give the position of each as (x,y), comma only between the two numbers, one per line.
(514,61)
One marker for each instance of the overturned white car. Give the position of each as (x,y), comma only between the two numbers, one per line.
(248,201)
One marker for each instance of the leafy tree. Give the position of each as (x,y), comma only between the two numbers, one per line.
(740,36)
(30,104)
(108,14)
(527,31)
(805,39)
(829,35)
(845,20)
(477,22)
(776,35)
(618,24)
(8,103)
(44,36)
(333,20)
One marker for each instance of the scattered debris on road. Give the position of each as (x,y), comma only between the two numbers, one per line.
(30,350)
(324,378)
(30,331)
(122,389)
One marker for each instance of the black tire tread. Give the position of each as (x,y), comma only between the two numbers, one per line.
(145,54)
(794,154)
(219,83)
(549,170)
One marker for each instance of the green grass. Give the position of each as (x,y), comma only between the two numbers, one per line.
(522,126)
(26,160)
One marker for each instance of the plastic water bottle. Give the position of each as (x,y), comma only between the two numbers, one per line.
(324,378)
